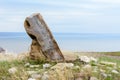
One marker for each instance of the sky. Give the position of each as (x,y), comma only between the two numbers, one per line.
(63,16)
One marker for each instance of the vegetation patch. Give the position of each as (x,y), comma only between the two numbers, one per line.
(84,68)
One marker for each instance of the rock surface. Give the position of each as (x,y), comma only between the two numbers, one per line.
(43,44)
(46,66)
(115,72)
(2,50)
(87,59)
(61,71)
(12,70)
(31,79)
(93,78)
(36,76)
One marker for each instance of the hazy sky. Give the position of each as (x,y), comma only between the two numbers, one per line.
(80,16)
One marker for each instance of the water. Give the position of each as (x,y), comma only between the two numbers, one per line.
(83,42)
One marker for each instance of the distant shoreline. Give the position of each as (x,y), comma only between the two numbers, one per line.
(78,42)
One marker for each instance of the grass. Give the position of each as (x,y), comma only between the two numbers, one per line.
(111,53)
(21,74)
(5,65)
(105,58)
(108,69)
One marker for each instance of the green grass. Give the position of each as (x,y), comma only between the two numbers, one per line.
(22,74)
(5,65)
(111,53)
(105,58)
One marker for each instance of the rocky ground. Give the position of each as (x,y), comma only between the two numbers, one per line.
(80,66)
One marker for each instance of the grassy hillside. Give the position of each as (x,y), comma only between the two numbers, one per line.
(105,68)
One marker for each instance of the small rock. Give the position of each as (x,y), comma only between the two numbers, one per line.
(102,71)
(84,59)
(46,65)
(31,79)
(12,70)
(104,75)
(69,65)
(79,78)
(27,65)
(93,78)
(87,68)
(115,71)
(32,72)
(36,76)
(62,66)
(45,76)
(34,66)
(60,71)
(2,50)
(93,59)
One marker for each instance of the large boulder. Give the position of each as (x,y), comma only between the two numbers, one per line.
(43,44)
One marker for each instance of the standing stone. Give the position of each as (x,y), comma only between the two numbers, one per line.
(43,43)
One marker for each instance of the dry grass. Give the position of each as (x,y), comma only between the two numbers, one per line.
(13,56)
(12,60)
(69,56)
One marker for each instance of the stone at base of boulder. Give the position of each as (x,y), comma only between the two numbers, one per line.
(61,71)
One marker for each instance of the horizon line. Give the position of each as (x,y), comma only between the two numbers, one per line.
(67,32)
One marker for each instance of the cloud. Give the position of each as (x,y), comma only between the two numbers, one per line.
(66,4)
(70,13)
(108,1)
(61,15)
